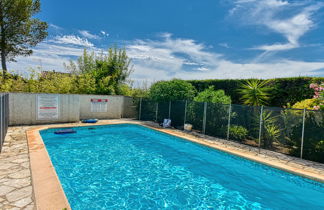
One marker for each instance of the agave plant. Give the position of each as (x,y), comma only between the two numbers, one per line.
(255,92)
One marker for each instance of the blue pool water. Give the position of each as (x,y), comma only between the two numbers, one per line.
(133,167)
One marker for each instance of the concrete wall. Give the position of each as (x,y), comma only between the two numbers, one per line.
(72,108)
(23,109)
(114,109)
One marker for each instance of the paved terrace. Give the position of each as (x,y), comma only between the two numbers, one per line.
(16,187)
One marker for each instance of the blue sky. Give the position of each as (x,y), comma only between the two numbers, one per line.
(188,39)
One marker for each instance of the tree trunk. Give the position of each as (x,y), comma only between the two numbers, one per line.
(3,62)
(3,45)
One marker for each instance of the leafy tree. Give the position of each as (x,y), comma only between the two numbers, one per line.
(139,93)
(18,30)
(213,96)
(172,90)
(255,92)
(110,71)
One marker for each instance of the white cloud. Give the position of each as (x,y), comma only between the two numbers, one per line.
(168,58)
(273,15)
(52,54)
(104,33)
(88,35)
(56,27)
(276,47)
(225,45)
(72,39)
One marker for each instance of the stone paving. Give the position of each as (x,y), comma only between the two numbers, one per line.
(16,190)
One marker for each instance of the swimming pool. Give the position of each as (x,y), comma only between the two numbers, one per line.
(133,167)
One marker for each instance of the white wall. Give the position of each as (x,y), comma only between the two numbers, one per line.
(72,108)
(23,109)
(114,107)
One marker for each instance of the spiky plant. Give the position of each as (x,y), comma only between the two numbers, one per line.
(255,92)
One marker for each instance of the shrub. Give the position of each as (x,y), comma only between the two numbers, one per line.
(213,96)
(318,95)
(172,90)
(238,132)
(284,90)
(305,104)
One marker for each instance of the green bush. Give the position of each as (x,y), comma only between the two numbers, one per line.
(284,90)
(305,104)
(172,90)
(213,96)
(238,132)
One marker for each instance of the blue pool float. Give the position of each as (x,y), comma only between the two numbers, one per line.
(90,121)
(65,131)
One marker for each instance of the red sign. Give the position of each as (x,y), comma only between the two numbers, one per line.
(99,100)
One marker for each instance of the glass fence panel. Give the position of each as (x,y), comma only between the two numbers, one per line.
(217,120)
(163,111)
(148,110)
(4,117)
(314,136)
(177,114)
(135,105)
(195,114)
(282,130)
(245,124)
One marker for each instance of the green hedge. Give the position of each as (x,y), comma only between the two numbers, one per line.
(285,90)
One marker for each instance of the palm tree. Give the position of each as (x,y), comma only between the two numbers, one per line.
(255,92)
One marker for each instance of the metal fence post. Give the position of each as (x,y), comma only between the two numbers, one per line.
(185,114)
(260,128)
(1,121)
(229,121)
(302,137)
(140,110)
(156,111)
(169,109)
(204,118)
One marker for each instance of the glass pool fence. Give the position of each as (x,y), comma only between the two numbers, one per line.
(295,132)
(4,117)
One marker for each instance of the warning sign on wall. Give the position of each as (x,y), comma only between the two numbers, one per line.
(47,107)
(99,105)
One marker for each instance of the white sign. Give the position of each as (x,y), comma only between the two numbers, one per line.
(99,105)
(47,107)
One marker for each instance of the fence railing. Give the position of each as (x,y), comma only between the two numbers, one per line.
(4,117)
(294,132)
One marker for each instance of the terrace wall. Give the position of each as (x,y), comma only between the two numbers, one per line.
(114,109)
(23,109)
(71,108)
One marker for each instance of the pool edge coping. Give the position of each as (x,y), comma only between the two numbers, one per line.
(55,196)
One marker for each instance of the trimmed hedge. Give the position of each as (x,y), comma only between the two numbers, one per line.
(285,90)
